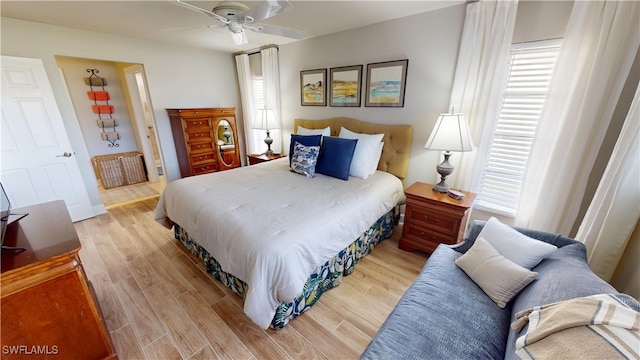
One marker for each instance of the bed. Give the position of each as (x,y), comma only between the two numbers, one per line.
(279,239)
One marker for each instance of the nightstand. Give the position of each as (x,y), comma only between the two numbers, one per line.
(258,158)
(431,218)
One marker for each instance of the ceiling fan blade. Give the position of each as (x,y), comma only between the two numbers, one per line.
(267,9)
(277,30)
(219,26)
(206,12)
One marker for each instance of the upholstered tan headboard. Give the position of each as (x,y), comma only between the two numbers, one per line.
(397,140)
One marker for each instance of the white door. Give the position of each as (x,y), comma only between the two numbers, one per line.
(37,163)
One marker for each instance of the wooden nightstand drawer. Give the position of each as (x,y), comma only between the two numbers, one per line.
(432,219)
(424,234)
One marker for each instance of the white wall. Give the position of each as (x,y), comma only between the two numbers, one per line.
(430,41)
(74,71)
(177,77)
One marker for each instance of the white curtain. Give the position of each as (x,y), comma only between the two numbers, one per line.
(479,78)
(599,46)
(615,208)
(271,78)
(252,141)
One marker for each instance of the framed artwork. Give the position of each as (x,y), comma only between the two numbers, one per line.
(345,83)
(386,82)
(313,89)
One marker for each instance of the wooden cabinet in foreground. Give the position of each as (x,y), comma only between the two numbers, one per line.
(206,139)
(49,308)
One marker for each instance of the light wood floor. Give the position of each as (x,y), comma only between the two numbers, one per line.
(158,304)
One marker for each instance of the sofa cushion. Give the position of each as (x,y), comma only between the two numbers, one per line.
(515,246)
(563,275)
(421,326)
(500,278)
(477,226)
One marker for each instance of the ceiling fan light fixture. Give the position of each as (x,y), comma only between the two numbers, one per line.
(239,38)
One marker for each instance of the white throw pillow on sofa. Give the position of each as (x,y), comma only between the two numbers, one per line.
(500,278)
(515,246)
(367,154)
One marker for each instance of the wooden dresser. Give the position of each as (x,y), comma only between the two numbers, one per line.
(49,308)
(206,139)
(432,218)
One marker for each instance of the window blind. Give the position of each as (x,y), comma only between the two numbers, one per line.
(504,168)
(258,92)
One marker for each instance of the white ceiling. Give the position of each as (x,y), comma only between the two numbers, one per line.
(168,21)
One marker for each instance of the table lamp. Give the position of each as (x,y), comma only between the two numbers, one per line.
(450,133)
(266,120)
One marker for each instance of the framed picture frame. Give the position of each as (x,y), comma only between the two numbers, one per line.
(313,87)
(345,84)
(386,83)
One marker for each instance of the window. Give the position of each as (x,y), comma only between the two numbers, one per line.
(258,92)
(505,164)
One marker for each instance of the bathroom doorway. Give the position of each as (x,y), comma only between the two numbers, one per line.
(125,84)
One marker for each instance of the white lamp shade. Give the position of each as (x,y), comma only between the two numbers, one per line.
(450,133)
(265,120)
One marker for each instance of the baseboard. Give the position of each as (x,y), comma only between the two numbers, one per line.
(99,209)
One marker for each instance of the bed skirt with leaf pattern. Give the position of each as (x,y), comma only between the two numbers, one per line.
(327,276)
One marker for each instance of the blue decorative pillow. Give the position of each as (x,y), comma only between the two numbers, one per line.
(306,140)
(304,159)
(336,156)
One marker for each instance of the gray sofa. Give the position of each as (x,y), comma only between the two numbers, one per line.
(445,315)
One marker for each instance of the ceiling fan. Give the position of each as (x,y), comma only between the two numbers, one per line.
(237,17)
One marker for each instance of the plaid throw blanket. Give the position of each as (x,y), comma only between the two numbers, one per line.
(592,327)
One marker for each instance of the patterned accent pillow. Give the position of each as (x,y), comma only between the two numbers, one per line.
(306,140)
(304,159)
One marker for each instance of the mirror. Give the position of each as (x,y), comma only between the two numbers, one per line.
(226,143)
(225,133)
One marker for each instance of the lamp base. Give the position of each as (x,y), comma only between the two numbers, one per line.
(268,140)
(442,187)
(444,169)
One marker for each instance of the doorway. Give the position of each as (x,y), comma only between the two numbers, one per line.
(127,93)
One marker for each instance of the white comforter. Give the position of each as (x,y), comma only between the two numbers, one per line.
(272,228)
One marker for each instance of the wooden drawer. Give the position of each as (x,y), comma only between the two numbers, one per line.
(202,158)
(200,136)
(200,147)
(195,113)
(432,219)
(226,112)
(427,235)
(197,124)
(205,168)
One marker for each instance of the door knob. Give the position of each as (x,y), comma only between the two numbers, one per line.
(65,154)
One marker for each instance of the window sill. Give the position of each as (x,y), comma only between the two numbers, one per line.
(494,209)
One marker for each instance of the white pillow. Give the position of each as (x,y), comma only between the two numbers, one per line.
(366,157)
(324,132)
(515,246)
(377,156)
(500,278)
